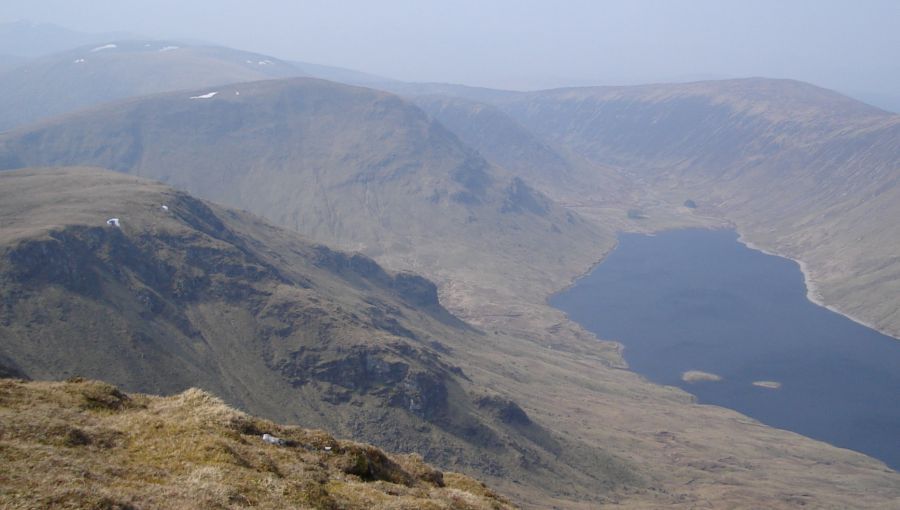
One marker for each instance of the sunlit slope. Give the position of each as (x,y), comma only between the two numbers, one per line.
(85,444)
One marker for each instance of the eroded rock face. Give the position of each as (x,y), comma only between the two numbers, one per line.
(424,393)
(415,290)
(76,257)
(412,288)
(362,370)
(505,409)
(522,198)
(374,371)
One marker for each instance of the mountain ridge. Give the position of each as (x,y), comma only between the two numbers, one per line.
(196,295)
(561,378)
(348,166)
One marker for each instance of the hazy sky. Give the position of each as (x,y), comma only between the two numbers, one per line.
(849,45)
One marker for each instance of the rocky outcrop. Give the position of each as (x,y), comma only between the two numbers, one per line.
(505,409)
(520,197)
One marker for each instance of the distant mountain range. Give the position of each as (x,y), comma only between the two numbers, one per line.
(499,198)
(100,72)
(28,39)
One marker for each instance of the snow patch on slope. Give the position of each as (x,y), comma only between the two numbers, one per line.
(205,96)
(104,47)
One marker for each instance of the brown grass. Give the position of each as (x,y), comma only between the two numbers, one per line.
(85,444)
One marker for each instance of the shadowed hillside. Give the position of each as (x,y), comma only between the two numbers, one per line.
(501,140)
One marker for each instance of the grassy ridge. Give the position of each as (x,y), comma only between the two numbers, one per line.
(85,444)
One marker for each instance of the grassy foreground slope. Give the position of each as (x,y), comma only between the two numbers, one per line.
(85,444)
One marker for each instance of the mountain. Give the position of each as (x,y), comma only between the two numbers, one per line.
(347,166)
(108,69)
(501,140)
(195,295)
(101,72)
(192,451)
(28,39)
(360,167)
(342,75)
(801,171)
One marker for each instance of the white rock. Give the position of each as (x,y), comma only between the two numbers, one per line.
(273,440)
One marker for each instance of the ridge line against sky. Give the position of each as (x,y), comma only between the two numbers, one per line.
(849,46)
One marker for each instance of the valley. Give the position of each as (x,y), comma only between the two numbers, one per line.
(795,168)
(284,273)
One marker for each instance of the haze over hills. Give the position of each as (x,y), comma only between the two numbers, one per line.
(797,168)
(28,39)
(502,140)
(8,61)
(76,79)
(63,82)
(474,188)
(347,166)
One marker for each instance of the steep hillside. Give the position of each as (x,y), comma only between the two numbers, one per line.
(85,444)
(711,125)
(501,140)
(196,295)
(347,166)
(801,171)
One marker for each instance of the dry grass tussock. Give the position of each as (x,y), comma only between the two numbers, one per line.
(85,444)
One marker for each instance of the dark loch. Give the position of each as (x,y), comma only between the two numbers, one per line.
(700,300)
